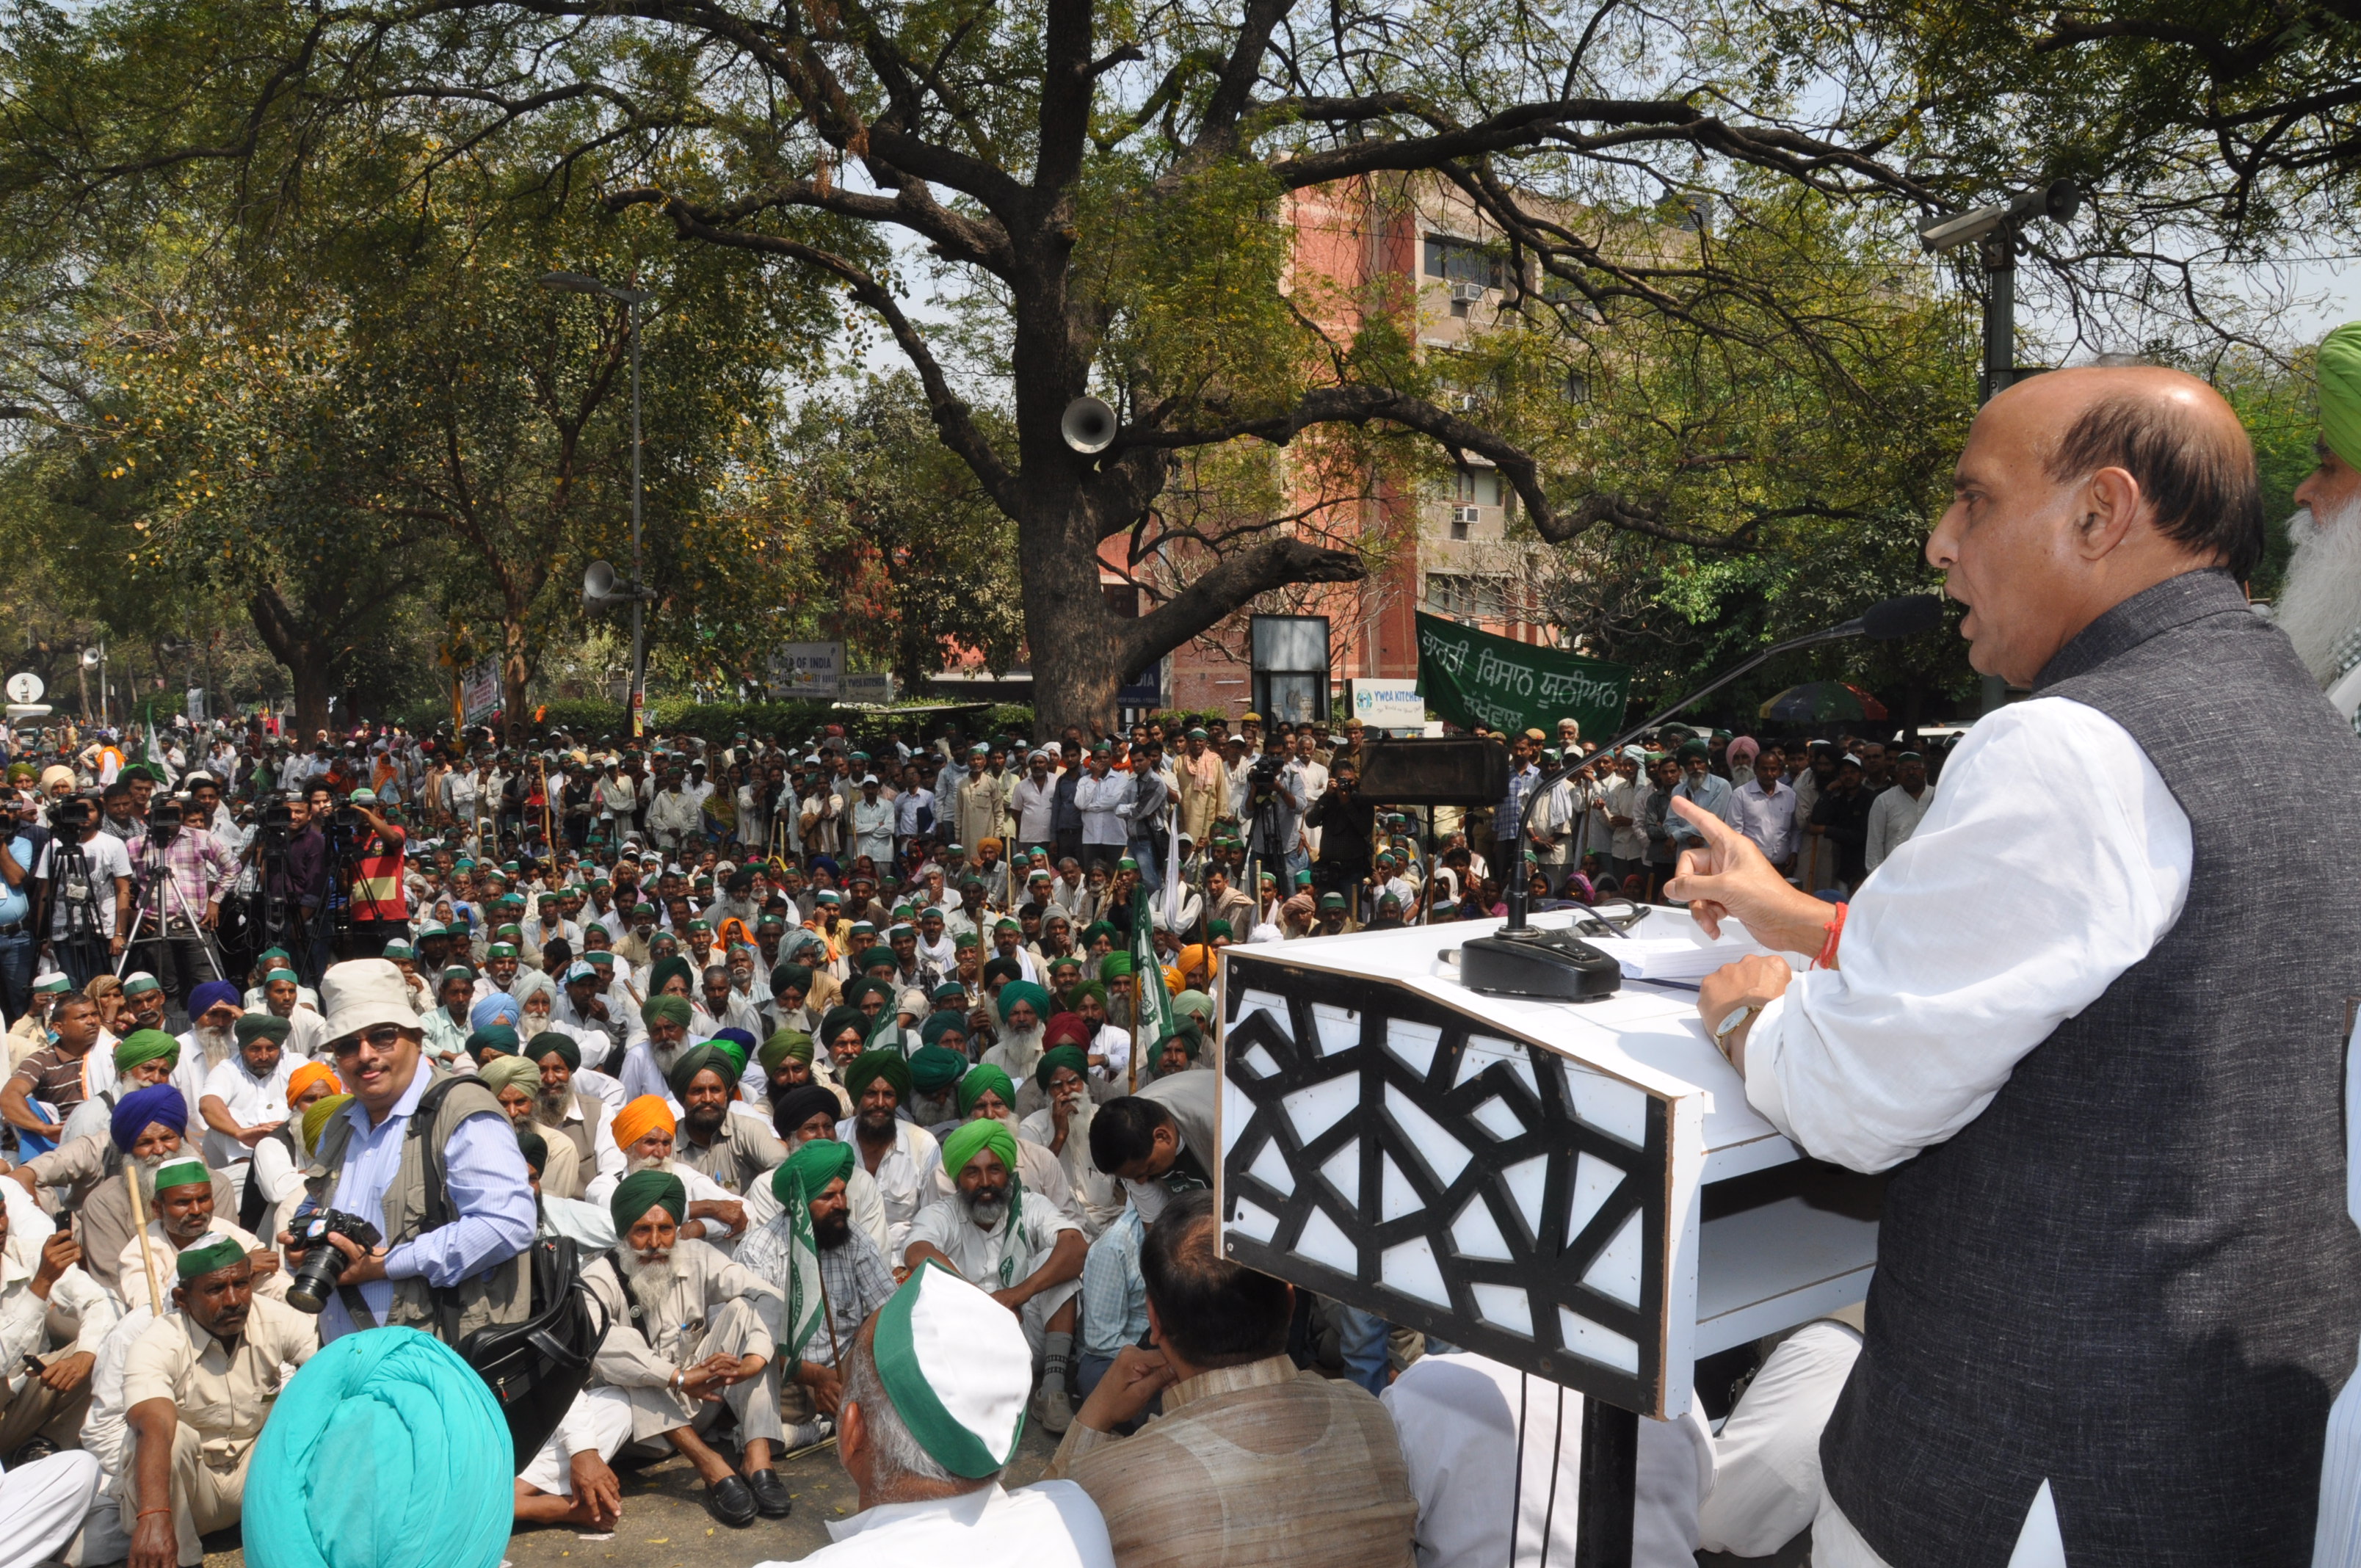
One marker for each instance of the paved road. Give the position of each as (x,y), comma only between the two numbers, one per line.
(664,1523)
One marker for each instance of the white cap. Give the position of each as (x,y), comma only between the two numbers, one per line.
(954,1363)
(362,994)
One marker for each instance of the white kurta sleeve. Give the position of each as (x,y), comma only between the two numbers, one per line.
(2053,858)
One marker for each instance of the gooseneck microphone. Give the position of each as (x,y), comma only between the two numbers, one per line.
(1525,960)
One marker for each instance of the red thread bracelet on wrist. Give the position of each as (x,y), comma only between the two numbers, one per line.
(1835,928)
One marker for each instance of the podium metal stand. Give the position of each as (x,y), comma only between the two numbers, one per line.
(1578,1191)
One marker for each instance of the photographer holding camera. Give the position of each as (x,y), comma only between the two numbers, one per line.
(85,877)
(366,1256)
(183,872)
(1347,821)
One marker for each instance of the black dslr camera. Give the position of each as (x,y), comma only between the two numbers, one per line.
(71,815)
(323,1265)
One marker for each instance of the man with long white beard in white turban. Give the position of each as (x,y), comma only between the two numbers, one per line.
(2319,605)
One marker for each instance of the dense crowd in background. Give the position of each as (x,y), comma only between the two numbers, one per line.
(765,1036)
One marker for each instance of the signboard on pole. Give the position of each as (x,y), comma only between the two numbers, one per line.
(874,689)
(811,670)
(479,690)
(1388,705)
(1472,677)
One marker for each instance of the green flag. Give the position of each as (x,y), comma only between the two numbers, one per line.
(805,1298)
(1472,677)
(1148,976)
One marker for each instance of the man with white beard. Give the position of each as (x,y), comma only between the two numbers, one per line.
(645,1130)
(150,1128)
(686,1328)
(212,1037)
(2319,604)
(1023,1018)
(647,1066)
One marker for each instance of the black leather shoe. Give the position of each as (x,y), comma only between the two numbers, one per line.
(770,1493)
(731,1501)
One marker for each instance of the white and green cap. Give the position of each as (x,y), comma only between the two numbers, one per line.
(956,1367)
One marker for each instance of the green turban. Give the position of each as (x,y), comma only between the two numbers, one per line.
(535,1148)
(1218,928)
(1018,990)
(1188,1042)
(2340,392)
(1057,1056)
(1115,964)
(693,1061)
(969,1138)
(549,1042)
(733,1050)
(983,1077)
(864,986)
(1094,930)
(1075,993)
(252,1027)
(666,970)
(934,1069)
(146,1045)
(785,1043)
(492,1040)
(806,1173)
(183,1173)
(510,1072)
(645,1190)
(870,1066)
(877,958)
(665,1009)
(1193,1004)
(214,1252)
(798,977)
(940,1024)
(838,1019)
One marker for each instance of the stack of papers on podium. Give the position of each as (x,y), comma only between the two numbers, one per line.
(1673,958)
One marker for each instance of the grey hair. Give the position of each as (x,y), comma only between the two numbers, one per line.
(897,1452)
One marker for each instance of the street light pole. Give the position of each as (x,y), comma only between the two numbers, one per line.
(631,300)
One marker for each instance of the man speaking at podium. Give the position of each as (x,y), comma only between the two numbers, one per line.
(2093,1017)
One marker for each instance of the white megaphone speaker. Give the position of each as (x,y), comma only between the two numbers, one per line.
(600,587)
(1088,426)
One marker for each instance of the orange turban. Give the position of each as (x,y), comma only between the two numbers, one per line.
(309,1073)
(639,1118)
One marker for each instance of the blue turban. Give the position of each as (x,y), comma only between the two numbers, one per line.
(211,994)
(386,1449)
(135,1111)
(499,1007)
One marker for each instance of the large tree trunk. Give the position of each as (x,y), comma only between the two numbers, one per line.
(307,652)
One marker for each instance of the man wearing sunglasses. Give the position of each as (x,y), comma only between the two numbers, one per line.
(366,1164)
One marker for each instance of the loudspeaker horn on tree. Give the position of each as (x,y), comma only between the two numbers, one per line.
(1089,425)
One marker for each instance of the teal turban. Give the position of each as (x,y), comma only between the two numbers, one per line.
(934,1069)
(665,1009)
(549,1042)
(969,1138)
(386,1449)
(979,1079)
(870,1066)
(693,1061)
(492,1040)
(1018,990)
(666,969)
(2340,392)
(535,1148)
(1057,1056)
(941,1023)
(645,1190)
(811,1168)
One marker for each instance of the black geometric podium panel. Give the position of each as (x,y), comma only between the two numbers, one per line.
(1403,1157)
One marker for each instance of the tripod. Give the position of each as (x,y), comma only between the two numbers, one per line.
(171,904)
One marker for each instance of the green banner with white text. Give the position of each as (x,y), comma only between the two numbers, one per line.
(1472,677)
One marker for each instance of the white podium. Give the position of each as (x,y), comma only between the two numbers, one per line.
(1577,1189)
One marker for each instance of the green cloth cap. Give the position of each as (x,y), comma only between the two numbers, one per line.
(871,1066)
(183,1173)
(141,984)
(983,1077)
(2340,392)
(971,1138)
(782,1045)
(934,1068)
(549,1042)
(707,1057)
(253,1026)
(645,1190)
(805,1174)
(1055,1058)
(214,1252)
(958,1376)
(148,1045)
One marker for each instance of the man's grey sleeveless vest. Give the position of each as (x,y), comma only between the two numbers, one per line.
(2133,1274)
